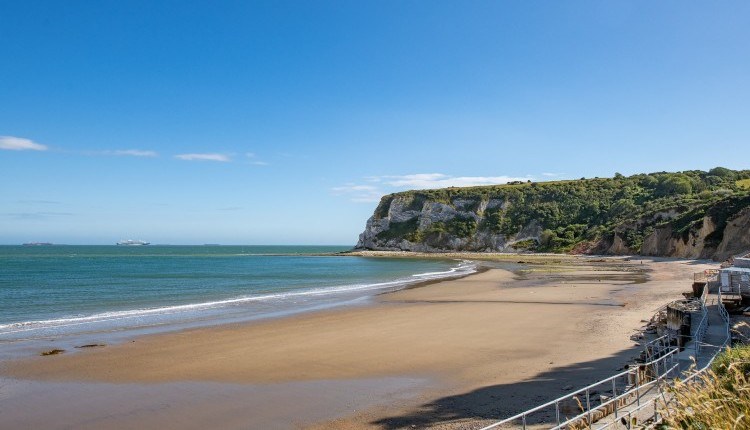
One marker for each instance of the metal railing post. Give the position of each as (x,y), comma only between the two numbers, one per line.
(557,412)
(638,387)
(614,394)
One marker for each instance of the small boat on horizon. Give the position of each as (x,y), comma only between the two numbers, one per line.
(131,242)
(37,244)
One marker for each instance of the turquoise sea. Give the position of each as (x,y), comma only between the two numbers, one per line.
(57,291)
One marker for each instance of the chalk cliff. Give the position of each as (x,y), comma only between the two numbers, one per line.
(634,215)
(428,226)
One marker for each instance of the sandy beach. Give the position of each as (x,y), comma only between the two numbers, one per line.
(452,354)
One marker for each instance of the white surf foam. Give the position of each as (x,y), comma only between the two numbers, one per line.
(463,268)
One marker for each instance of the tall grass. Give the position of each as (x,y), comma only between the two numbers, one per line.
(717,399)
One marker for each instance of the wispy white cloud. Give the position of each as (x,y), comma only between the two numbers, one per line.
(135,153)
(439,180)
(117,153)
(359,193)
(551,175)
(254,159)
(377,186)
(352,187)
(20,144)
(204,157)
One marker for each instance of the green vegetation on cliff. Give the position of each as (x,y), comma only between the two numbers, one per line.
(582,213)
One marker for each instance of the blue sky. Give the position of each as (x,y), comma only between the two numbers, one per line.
(284,122)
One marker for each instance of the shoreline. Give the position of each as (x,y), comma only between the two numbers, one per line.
(120,325)
(466,341)
(470,255)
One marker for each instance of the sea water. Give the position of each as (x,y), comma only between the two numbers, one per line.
(53,292)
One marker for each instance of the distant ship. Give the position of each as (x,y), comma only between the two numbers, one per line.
(131,242)
(37,244)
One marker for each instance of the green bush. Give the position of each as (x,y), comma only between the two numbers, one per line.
(462,227)
(399,229)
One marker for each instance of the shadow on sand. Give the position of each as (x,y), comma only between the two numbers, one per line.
(493,403)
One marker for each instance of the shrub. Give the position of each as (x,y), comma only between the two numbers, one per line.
(462,227)
(718,399)
(399,229)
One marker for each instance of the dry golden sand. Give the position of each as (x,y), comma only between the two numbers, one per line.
(492,342)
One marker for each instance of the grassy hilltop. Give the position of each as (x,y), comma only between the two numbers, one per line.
(616,215)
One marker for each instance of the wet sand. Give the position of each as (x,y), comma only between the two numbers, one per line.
(446,355)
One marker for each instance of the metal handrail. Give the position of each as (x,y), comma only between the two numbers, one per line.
(725,316)
(657,417)
(700,331)
(637,409)
(656,347)
(671,354)
(587,391)
(689,377)
(637,391)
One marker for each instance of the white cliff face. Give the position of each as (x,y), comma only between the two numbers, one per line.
(401,210)
(415,223)
(466,204)
(496,203)
(397,212)
(437,212)
(372,228)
